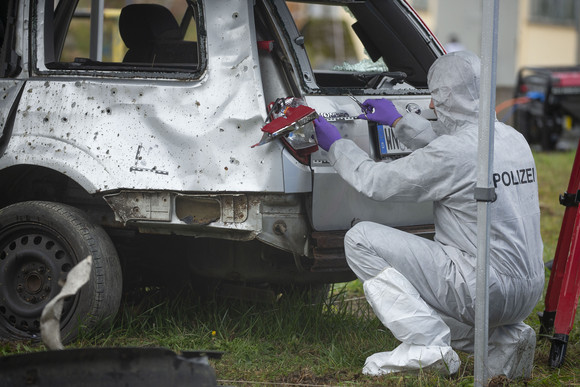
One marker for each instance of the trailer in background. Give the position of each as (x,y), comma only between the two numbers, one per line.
(549,103)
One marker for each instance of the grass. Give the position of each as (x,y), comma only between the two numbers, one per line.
(325,344)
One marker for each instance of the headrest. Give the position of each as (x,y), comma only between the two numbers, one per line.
(140,24)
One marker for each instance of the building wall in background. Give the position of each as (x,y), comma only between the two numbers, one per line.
(427,9)
(545,44)
(524,39)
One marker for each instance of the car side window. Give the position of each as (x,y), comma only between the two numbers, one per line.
(10,61)
(160,35)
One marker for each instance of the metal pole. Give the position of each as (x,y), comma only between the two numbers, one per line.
(484,192)
(97,9)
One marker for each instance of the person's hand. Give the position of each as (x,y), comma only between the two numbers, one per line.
(326,133)
(381,111)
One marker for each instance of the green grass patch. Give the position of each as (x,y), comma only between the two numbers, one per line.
(290,342)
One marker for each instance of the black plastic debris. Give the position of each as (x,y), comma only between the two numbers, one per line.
(109,367)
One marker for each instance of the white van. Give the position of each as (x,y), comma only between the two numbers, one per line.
(127,129)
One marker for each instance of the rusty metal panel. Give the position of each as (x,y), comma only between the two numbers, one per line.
(329,239)
(328,251)
(329,260)
(234,208)
(140,205)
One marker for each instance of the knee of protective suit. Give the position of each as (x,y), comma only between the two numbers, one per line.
(355,235)
(360,254)
(352,241)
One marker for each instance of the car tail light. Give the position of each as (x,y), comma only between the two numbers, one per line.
(301,142)
(291,120)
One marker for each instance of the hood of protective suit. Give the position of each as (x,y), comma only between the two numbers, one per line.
(453,80)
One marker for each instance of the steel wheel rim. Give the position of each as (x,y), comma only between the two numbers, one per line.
(33,259)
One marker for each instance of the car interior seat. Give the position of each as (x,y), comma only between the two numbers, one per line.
(153,36)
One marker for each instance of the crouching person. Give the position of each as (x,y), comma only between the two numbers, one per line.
(424,290)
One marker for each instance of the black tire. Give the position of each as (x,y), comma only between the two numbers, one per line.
(550,133)
(39,243)
(523,122)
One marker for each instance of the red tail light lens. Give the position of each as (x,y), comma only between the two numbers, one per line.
(301,142)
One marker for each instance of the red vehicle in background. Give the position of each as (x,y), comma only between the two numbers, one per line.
(548,103)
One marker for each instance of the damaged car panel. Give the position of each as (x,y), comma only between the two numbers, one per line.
(138,123)
(223,104)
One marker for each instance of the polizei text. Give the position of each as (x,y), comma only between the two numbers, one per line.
(515,177)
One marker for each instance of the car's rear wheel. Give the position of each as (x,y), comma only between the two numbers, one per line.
(40,242)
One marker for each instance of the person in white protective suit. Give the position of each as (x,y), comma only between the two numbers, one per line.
(423,290)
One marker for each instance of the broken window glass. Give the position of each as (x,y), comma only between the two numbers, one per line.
(337,55)
(330,41)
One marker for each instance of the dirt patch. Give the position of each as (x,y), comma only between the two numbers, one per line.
(498,381)
(306,377)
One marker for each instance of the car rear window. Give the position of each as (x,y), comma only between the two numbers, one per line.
(366,44)
(330,41)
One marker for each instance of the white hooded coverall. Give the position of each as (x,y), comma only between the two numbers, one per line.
(424,290)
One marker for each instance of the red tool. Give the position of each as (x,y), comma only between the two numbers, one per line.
(564,286)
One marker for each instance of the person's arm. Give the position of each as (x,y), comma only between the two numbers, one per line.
(426,174)
(419,176)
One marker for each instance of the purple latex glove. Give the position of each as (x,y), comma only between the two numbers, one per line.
(381,111)
(326,133)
